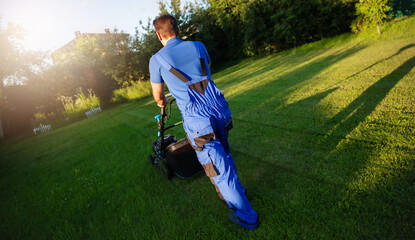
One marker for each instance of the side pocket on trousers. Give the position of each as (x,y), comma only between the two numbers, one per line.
(199,149)
(211,170)
(198,130)
(202,140)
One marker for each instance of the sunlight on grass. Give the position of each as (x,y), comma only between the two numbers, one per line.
(379,172)
(266,70)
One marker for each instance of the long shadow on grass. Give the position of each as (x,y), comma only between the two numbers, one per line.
(276,162)
(267,89)
(374,64)
(258,76)
(294,174)
(349,118)
(380,191)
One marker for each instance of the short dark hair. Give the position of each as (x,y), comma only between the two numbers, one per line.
(166,25)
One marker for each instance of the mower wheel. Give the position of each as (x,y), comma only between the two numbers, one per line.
(164,169)
(151,159)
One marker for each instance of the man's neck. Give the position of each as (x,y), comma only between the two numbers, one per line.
(165,40)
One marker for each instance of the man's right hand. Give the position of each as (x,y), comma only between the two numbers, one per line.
(163,102)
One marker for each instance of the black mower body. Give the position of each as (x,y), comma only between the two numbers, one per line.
(171,156)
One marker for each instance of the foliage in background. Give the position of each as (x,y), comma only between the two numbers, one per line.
(80,103)
(45,119)
(120,57)
(207,30)
(183,15)
(401,8)
(144,44)
(17,65)
(108,53)
(370,13)
(266,26)
(137,90)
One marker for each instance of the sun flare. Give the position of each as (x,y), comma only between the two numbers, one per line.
(38,20)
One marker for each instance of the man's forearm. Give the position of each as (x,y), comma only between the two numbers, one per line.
(158,94)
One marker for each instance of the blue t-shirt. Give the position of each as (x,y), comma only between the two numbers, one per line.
(183,56)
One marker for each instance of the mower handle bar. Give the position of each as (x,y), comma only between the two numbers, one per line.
(163,110)
(161,118)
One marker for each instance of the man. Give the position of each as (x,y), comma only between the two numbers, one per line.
(183,66)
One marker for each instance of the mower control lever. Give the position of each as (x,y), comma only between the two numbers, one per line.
(158,117)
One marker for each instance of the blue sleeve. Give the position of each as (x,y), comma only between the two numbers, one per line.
(155,75)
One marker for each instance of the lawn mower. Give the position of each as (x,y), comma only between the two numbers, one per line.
(172,156)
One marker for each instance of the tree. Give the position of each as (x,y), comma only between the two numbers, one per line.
(266,26)
(183,16)
(370,12)
(17,64)
(118,60)
(143,46)
(97,61)
(228,17)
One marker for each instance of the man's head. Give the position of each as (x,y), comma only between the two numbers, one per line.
(166,27)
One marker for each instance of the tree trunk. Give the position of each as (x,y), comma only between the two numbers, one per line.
(378,26)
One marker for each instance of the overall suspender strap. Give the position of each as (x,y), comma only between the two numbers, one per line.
(174,71)
(202,61)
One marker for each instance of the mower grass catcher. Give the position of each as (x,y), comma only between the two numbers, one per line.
(172,156)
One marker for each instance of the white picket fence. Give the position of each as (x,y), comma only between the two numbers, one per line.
(45,128)
(91,112)
(42,128)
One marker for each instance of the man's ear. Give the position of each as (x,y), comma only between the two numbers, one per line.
(179,33)
(159,36)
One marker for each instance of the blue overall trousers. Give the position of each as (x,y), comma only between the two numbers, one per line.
(205,119)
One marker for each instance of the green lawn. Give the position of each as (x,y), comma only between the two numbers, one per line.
(324,142)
